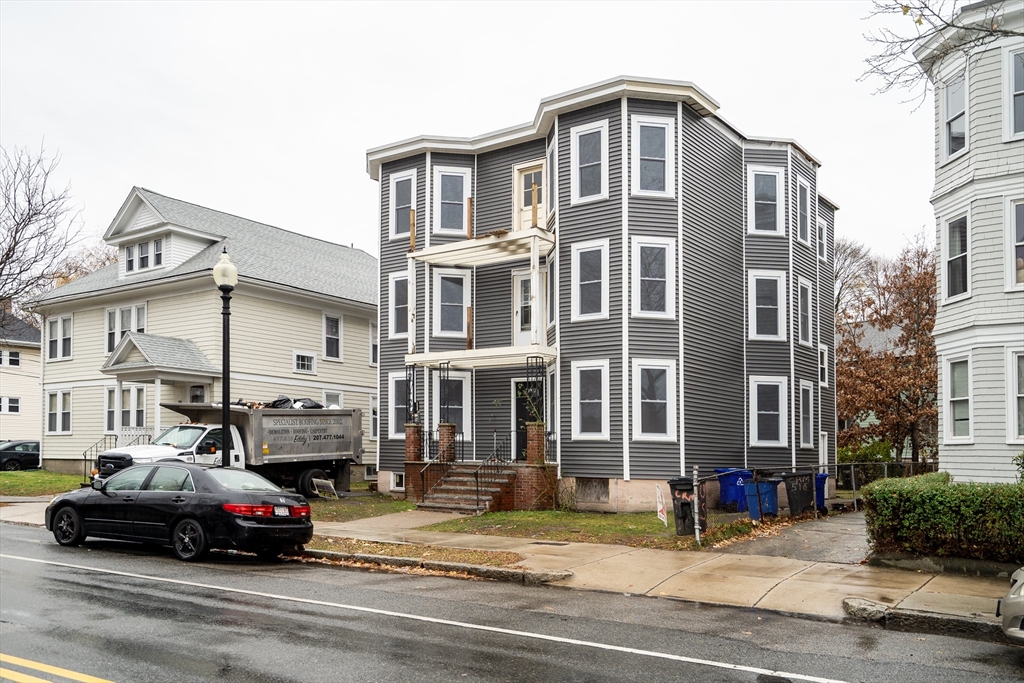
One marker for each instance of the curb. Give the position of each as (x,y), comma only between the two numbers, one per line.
(527,577)
(901,619)
(943,565)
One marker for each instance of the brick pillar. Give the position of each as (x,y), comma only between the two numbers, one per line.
(446,442)
(413,442)
(413,461)
(535,443)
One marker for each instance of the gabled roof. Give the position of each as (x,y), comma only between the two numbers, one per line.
(876,340)
(160,353)
(262,253)
(15,330)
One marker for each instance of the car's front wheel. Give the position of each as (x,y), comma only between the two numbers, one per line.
(67,527)
(12,466)
(189,540)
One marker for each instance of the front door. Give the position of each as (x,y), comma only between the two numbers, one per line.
(520,417)
(522,314)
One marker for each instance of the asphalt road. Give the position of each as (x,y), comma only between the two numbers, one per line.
(123,613)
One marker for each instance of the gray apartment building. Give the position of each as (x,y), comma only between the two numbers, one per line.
(667,278)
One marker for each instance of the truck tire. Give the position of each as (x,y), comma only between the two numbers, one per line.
(305,482)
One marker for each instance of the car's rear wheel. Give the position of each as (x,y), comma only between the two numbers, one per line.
(305,482)
(67,527)
(12,466)
(189,540)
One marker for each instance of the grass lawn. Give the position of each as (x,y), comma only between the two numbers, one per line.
(37,483)
(426,552)
(638,530)
(347,509)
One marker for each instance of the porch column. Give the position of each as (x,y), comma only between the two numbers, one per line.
(446,442)
(156,407)
(117,410)
(535,291)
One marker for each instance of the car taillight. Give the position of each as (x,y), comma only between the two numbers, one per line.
(300,511)
(250,510)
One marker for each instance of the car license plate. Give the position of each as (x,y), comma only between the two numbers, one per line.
(281,511)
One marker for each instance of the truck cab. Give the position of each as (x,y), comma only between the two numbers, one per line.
(189,442)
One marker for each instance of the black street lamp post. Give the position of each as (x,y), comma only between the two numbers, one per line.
(226,276)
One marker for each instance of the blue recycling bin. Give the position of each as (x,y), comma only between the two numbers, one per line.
(820,486)
(769,490)
(730,487)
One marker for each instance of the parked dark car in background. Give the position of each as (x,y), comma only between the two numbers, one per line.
(19,455)
(192,508)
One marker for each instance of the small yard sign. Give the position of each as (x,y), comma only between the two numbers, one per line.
(662,514)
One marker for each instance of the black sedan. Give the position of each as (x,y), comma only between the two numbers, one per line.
(19,455)
(192,508)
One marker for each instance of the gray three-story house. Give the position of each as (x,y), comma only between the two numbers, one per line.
(669,279)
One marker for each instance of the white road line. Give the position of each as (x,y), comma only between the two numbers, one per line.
(445,622)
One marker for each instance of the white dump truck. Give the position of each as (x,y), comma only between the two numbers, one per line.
(290,447)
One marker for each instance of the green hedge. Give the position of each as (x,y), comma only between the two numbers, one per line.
(930,515)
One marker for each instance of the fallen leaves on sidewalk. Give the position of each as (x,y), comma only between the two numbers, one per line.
(490,558)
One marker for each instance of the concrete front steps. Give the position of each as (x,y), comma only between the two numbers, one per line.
(457,492)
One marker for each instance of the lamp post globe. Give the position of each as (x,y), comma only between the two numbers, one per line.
(225,275)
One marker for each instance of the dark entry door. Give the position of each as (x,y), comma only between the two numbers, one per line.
(522,414)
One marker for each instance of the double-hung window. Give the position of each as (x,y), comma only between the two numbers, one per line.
(402,193)
(805,312)
(158,252)
(13,359)
(133,406)
(768,411)
(766,305)
(374,344)
(588,152)
(143,255)
(1013,112)
(1015,237)
(332,337)
(10,404)
(958,403)
(374,419)
(398,306)
(803,211)
(397,402)
(765,201)
(590,397)
(822,365)
(1015,396)
(451,194)
(821,240)
(121,321)
(806,415)
(653,277)
(452,296)
(653,143)
(458,393)
(58,412)
(957,258)
(590,280)
(129,258)
(108,412)
(956,115)
(654,399)
(58,338)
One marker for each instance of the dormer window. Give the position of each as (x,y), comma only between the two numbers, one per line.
(143,255)
(158,252)
(129,259)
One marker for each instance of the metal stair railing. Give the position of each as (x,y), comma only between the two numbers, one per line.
(92,452)
(493,469)
(434,464)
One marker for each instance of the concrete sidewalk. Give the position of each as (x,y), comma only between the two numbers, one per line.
(815,589)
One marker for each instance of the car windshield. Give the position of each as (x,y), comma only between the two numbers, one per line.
(180,436)
(240,480)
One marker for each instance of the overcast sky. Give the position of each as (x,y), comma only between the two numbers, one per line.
(266,110)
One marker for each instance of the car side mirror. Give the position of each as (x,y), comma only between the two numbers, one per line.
(97,484)
(211,446)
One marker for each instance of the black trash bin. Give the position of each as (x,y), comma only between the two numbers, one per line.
(799,491)
(681,490)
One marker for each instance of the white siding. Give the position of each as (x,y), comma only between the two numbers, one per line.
(21,382)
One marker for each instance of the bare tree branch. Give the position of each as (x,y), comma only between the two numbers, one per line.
(38,223)
(853,263)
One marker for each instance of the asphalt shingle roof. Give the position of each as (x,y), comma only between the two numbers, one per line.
(260,252)
(167,352)
(15,330)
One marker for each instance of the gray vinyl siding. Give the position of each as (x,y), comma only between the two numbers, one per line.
(494,203)
(493,308)
(393,260)
(451,160)
(805,265)
(591,340)
(826,324)
(493,404)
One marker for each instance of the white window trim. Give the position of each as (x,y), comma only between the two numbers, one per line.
(945,257)
(604,365)
(404,275)
(551,291)
(780,200)
(604,246)
(1012,352)
(374,405)
(551,159)
(374,333)
(46,412)
(517,191)
(60,326)
(822,348)
(110,394)
(669,125)
(467,192)
(821,240)
(117,323)
(467,401)
(947,406)
(132,408)
(670,276)
(808,386)
(295,360)
(944,119)
(574,190)
(1009,250)
(5,405)
(394,481)
(810,241)
(780,277)
(392,433)
(393,179)
(783,384)
(804,283)
(467,299)
(341,337)
(670,387)
(1008,53)
(327,402)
